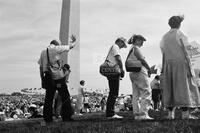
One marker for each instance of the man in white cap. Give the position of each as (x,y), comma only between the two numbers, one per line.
(114,57)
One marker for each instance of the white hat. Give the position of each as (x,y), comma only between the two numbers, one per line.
(33,106)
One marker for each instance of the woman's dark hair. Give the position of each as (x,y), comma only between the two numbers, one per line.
(175,21)
(134,38)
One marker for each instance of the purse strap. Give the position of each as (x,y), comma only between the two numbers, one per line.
(129,53)
(48,60)
(109,53)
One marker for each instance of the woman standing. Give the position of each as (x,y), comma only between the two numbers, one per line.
(140,84)
(179,89)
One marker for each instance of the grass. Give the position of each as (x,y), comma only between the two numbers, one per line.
(97,123)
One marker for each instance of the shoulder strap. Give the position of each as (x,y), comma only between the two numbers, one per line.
(48,58)
(129,53)
(109,52)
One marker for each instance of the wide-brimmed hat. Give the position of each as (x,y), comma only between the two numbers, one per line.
(32,106)
(135,37)
(123,40)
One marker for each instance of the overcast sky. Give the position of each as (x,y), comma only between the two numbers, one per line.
(102,21)
(27,26)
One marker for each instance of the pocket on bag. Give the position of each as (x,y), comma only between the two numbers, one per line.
(109,70)
(133,65)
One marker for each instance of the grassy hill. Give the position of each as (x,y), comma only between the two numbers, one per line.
(97,123)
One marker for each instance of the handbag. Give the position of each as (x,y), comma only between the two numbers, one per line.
(55,72)
(109,69)
(132,64)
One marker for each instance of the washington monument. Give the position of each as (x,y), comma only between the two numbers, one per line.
(70,24)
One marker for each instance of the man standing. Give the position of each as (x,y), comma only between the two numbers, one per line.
(52,56)
(114,57)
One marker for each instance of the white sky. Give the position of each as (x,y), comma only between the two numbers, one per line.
(102,21)
(27,27)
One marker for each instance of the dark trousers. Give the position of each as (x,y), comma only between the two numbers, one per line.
(51,87)
(57,105)
(113,94)
(156,97)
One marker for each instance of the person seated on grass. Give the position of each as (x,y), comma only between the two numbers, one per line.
(34,112)
(86,105)
(2,114)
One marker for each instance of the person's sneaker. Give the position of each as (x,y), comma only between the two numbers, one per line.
(115,117)
(143,117)
(148,117)
(79,114)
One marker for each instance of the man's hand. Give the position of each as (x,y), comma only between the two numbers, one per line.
(43,83)
(122,73)
(73,39)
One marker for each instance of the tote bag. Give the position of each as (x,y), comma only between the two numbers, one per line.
(109,69)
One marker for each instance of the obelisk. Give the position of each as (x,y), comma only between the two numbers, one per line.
(70,24)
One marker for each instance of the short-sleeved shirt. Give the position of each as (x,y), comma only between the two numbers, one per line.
(113,51)
(54,56)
